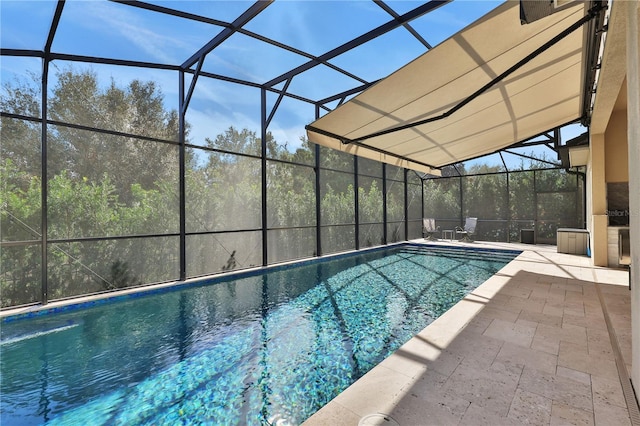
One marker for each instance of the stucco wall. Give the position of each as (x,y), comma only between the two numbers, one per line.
(616,149)
(633,87)
(608,163)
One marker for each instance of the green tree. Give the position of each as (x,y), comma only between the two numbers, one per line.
(136,109)
(370,212)
(99,185)
(21,138)
(20,266)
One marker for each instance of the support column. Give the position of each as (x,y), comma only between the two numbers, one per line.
(599,222)
(356,201)
(633,140)
(406,201)
(263,169)
(181,175)
(318,202)
(384,203)
(44,293)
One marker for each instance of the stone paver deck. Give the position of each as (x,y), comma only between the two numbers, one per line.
(529,346)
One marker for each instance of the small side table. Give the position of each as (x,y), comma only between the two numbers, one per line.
(447,232)
(527,236)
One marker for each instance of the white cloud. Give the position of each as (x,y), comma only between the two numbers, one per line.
(126,23)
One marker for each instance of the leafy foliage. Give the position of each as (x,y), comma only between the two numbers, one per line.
(543,200)
(113,196)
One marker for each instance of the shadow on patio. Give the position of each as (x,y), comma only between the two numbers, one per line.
(535,344)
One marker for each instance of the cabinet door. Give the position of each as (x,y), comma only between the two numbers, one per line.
(563,242)
(572,242)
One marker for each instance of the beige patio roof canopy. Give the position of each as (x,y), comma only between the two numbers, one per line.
(493,84)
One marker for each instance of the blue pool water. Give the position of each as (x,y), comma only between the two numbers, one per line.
(263,349)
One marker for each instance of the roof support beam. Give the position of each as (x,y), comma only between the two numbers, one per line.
(192,86)
(382,29)
(341,96)
(227,32)
(111,61)
(277,104)
(406,24)
(206,20)
(21,52)
(54,26)
(299,52)
(173,12)
(152,65)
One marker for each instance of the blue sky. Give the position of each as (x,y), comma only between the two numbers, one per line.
(111,30)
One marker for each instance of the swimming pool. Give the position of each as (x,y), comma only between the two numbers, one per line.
(267,348)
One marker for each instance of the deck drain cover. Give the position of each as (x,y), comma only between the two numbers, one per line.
(377,419)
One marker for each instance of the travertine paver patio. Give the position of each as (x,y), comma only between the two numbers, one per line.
(529,346)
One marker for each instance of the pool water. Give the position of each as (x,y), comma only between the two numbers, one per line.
(263,349)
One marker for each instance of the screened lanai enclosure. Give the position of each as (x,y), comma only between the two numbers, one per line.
(151,142)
